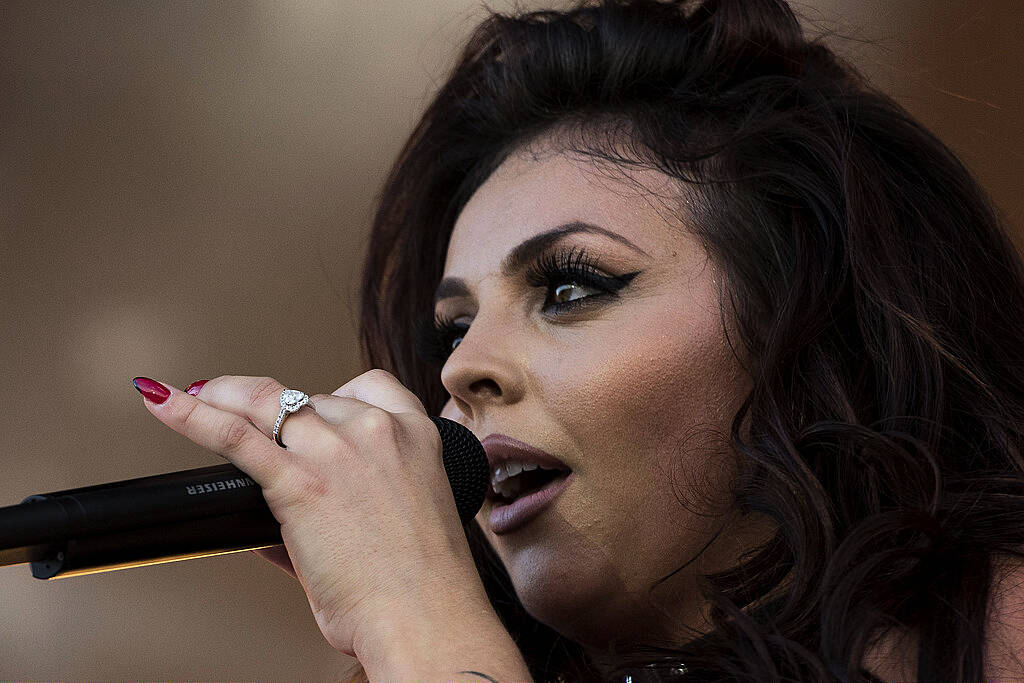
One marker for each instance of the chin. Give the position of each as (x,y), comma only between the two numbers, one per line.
(578,595)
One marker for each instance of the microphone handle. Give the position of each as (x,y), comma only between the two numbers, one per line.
(181,515)
(135,522)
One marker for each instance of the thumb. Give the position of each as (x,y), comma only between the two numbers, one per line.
(277,555)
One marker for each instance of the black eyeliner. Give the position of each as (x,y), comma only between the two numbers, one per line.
(574,266)
(436,337)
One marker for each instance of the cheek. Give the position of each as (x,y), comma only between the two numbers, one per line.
(650,415)
(655,390)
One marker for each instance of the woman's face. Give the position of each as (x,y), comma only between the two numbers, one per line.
(618,367)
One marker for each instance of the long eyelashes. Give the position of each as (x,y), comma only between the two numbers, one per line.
(573,266)
(558,272)
(435,338)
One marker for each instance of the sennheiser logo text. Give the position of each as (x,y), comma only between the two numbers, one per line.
(222,485)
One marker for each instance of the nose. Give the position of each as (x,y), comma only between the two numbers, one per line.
(485,371)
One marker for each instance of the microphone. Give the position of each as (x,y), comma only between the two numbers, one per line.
(181,515)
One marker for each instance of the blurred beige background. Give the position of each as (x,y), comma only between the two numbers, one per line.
(170,171)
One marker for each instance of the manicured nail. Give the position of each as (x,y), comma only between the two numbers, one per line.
(195,387)
(151,389)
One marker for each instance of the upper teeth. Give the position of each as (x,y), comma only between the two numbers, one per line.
(502,473)
(510,469)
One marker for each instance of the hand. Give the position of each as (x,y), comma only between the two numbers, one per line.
(367,515)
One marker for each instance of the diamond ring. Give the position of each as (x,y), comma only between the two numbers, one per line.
(291,400)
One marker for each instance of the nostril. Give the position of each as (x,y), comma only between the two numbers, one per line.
(485,386)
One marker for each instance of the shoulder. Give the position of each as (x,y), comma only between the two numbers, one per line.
(893,657)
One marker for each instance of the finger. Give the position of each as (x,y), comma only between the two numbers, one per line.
(251,397)
(277,555)
(221,431)
(258,399)
(382,389)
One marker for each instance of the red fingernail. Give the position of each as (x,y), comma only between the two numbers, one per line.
(195,387)
(151,389)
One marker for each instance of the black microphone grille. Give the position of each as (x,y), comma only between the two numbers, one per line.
(465,463)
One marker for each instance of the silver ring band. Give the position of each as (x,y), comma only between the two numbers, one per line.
(291,400)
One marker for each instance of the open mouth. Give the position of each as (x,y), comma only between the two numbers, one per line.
(507,485)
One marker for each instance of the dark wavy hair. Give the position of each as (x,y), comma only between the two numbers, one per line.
(869,277)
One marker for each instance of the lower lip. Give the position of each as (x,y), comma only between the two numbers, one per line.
(506,518)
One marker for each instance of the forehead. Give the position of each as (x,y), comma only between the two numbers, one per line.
(531,193)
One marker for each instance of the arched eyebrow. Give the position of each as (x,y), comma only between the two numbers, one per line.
(528,250)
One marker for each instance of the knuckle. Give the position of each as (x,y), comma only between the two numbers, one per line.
(300,485)
(232,435)
(188,417)
(261,390)
(378,424)
(214,384)
(377,374)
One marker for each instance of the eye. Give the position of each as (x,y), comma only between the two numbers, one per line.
(572,280)
(571,292)
(435,338)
